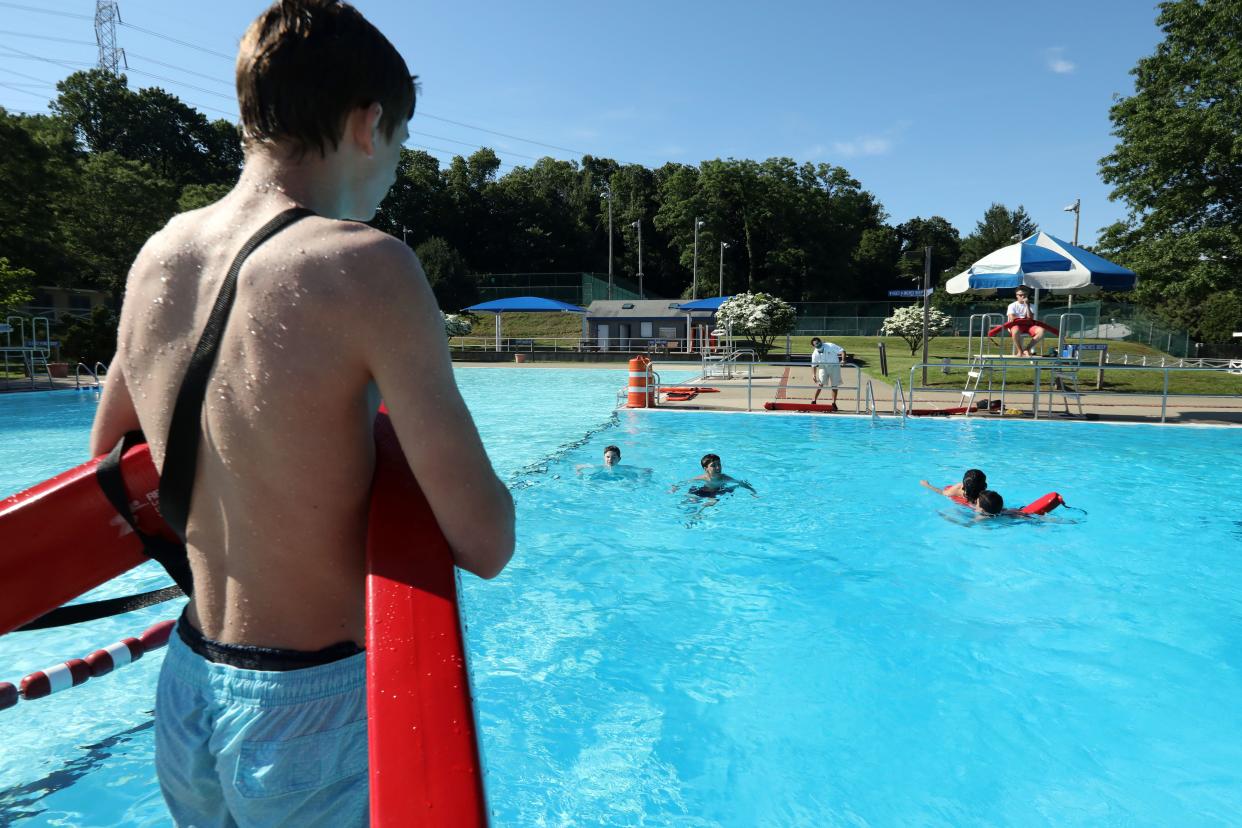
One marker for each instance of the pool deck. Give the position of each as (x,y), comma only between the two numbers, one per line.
(793,384)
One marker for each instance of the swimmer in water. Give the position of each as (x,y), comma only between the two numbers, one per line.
(713,481)
(973,484)
(612,467)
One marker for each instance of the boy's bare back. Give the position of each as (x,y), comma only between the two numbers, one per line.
(325,310)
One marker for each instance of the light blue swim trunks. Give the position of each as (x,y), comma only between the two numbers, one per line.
(241,747)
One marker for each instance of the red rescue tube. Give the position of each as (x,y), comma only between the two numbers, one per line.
(425,767)
(62,537)
(809,407)
(1023,325)
(51,680)
(8,695)
(1044,505)
(688,389)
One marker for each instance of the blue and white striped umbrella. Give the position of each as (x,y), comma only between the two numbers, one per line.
(1042,262)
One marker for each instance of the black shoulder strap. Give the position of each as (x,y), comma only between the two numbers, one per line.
(181,451)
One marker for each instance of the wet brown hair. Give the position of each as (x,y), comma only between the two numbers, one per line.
(304,65)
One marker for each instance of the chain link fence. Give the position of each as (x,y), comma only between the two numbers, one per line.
(1100,320)
(575,288)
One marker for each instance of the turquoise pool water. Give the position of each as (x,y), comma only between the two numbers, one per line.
(846,649)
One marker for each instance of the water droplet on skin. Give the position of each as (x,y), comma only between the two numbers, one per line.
(283,327)
(159,300)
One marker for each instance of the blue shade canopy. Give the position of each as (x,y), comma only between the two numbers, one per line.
(711,304)
(1042,262)
(525,304)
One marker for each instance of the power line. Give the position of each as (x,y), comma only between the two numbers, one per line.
(48,37)
(212,78)
(468,144)
(23,91)
(501,134)
(183,83)
(48,11)
(24,75)
(229,58)
(27,55)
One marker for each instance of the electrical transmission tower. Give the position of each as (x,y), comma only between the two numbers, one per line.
(107,15)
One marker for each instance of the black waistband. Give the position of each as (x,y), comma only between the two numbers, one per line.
(251,657)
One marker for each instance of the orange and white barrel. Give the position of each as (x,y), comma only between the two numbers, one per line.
(42,683)
(640,392)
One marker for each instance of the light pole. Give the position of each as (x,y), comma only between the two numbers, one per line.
(694,274)
(404,233)
(1076,209)
(927,259)
(608,195)
(638,225)
(723,245)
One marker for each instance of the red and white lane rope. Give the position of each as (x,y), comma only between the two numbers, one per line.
(77,671)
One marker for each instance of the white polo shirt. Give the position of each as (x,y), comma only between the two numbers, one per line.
(827,354)
(1019,311)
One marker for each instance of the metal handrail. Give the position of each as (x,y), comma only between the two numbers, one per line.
(870,402)
(1039,368)
(77,375)
(898,391)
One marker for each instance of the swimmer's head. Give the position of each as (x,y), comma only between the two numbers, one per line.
(973,483)
(710,460)
(305,65)
(990,502)
(612,456)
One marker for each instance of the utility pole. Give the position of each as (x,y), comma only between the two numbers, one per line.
(608,195)
(927,254)
(1076,209)
(694,277)
(107,15)
(723,246)
(638,225)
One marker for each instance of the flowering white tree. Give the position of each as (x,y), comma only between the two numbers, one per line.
(456,324)
(907,323)
(759,316)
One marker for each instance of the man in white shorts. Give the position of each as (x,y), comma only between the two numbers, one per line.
(826,361)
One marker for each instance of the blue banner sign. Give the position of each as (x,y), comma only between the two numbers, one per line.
(909,294)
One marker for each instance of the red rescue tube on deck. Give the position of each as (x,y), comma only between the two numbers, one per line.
(808,407)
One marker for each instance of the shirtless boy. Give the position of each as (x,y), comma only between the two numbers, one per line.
(713,481)
(267,666)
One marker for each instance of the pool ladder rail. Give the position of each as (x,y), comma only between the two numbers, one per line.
(899,402)
(100,370)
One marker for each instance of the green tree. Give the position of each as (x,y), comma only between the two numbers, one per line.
(1178,165)
(16,284)
(92,339)
(999,227)
(196,196)
(113,207)
(452,283)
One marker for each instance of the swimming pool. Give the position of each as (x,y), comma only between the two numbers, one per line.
(848,648)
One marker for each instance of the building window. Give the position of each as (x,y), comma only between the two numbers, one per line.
(645,329)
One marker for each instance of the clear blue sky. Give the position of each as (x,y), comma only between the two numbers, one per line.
(936,108)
